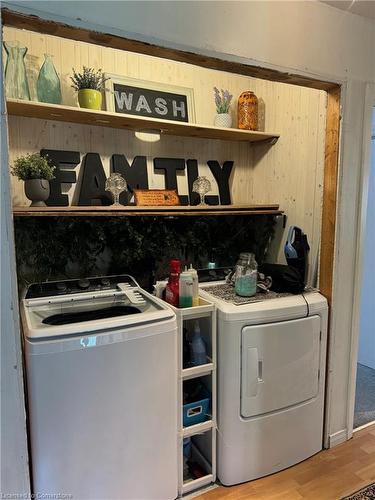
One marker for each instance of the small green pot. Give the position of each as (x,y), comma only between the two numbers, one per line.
(90,98)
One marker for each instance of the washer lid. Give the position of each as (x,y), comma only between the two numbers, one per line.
(84,313)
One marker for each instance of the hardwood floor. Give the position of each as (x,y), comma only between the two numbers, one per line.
(329,475)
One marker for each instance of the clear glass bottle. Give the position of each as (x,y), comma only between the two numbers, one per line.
(16,84)
(246,275)
(48,85)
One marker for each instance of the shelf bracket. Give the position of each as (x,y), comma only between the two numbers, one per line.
(273,140)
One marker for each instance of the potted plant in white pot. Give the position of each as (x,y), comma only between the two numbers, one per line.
(222,101)
(89,85)
(36,171)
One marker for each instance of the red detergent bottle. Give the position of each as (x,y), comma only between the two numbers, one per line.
(172,292)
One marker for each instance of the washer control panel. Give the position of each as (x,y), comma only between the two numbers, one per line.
(68,287)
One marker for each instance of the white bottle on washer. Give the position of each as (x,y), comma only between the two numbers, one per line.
(186,289)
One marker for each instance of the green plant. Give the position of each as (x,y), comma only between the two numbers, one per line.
(88,79)
(74,247)
(33,166)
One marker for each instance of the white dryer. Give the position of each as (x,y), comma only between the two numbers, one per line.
(271,377)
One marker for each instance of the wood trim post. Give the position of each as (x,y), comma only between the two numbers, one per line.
(331,160)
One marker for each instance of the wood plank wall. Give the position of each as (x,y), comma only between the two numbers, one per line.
(289,173)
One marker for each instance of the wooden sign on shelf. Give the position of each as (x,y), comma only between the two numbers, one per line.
(132,96)
(156,197)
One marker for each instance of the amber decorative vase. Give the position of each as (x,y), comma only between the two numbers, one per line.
(248,111)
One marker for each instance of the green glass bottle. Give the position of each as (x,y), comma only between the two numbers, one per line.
(48,86)
(16,84)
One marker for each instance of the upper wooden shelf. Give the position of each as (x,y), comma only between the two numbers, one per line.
(71,114)
(115,211)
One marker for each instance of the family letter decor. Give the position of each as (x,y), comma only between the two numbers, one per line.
(65,163)
(148,99)
(91,191)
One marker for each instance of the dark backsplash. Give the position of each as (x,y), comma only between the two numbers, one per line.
(50,248)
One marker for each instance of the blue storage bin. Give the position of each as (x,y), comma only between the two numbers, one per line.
(196,412)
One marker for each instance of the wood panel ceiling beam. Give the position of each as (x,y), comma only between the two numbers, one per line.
(48,27)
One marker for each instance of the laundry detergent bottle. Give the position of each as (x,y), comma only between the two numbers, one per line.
(186,289)
(172,292)
(198,347)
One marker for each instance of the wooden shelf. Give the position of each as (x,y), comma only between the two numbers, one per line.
(33,109)
(112,211)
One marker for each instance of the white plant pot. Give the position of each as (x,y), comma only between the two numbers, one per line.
(223,120)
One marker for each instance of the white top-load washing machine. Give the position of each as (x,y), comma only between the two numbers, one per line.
(102,390)
(271,377)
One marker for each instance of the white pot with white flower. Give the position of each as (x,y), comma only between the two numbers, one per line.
(223,118)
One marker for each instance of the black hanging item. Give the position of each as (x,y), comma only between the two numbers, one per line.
(93,182)
(285,279)
(135,174)
(170,167)
(65,162)
(192,171)
(296,251)
(222,175)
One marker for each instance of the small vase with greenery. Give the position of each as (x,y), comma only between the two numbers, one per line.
(89,85)
(36,171)
(222,102)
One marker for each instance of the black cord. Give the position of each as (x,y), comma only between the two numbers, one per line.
(307,304)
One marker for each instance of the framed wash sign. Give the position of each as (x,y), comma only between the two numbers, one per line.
(149,99)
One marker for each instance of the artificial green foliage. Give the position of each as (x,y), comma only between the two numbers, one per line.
(88,79)
(33,166)
(57,248)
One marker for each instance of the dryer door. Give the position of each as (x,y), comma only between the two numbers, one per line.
(279,365)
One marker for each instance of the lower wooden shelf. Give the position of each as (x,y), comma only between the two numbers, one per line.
(115,211)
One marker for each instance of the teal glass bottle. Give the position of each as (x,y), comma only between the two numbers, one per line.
(16,84)
(48,86)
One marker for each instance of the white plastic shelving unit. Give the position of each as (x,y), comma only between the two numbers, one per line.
(203,435)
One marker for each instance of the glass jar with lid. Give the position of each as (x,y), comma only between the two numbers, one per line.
(248,111)
(246,275)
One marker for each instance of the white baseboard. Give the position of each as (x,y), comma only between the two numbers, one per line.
(338,438)
(369,424)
